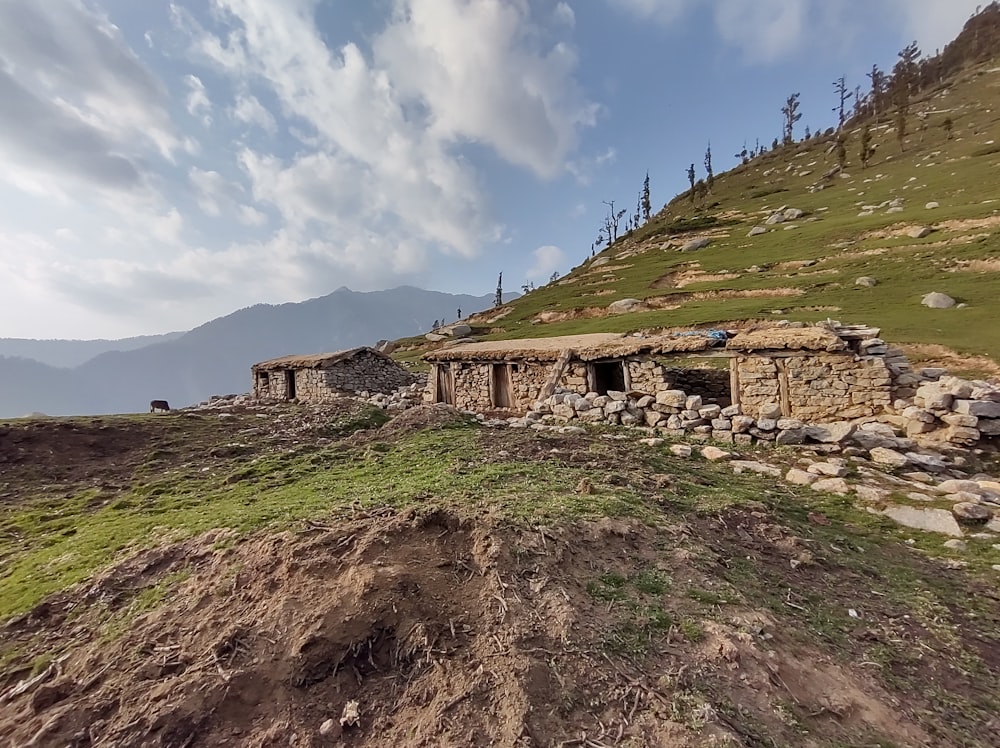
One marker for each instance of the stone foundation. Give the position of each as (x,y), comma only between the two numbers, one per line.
(816,387)
(364,371)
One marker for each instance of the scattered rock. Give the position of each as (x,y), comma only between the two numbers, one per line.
(681,450)
(955,544)
(929,520)
(919,232)
(890,457)
(757,231)
(753,466)
(623,306)
(932,205)
(696,244)
(937,300)
(866,281)
(800,477)
(832,485)
(350,716)
(327,727)
(715,454)
(828,469)
(460,331)
(971,512)
(871,493)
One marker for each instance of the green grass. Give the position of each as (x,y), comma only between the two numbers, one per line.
(958,173)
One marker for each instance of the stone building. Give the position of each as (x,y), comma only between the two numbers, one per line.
(511,374)
(813,373)
(322,377)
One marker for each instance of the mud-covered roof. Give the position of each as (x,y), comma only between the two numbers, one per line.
(591,347)
(814,338)
(314,360)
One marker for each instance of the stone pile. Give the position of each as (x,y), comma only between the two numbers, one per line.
(401,399)
(222,402)
(952,410)
(675,413)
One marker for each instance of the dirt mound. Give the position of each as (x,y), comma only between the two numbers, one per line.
(421,418)
(440,629)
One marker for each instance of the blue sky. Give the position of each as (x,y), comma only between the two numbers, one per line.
(168,163)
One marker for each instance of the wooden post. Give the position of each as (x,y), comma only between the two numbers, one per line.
(734,381)
(786,403)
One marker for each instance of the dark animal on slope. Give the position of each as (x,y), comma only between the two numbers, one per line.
(155,405)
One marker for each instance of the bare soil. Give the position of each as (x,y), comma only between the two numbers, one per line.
(458,628)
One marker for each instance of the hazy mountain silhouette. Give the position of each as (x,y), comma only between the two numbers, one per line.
(215,358)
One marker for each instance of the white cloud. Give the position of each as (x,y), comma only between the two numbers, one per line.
(662,11)
(564,15)
(79,106)
(250,216)
(198,103)
(765,30)
(480,73)
(933,23)
(250,111)
(547,259)
(769,30)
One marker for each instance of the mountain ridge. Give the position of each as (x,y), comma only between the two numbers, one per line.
(215,357)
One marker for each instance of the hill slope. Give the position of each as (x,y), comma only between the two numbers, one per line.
(862,222)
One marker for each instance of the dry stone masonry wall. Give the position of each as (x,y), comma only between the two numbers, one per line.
(364,371)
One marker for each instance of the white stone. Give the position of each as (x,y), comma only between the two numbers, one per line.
(715,454)
(930,520)
(681,450)
(889,457)
(753,466)
(800,477)
(937,300)
(832,485)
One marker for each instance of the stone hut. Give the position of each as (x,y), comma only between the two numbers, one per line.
(323,377)
(814,373)
(512,374)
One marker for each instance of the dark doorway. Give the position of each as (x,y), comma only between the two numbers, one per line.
(501,394)
(445,385)
(290,384)
(608,376)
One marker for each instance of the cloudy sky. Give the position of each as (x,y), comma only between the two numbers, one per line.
(165,163)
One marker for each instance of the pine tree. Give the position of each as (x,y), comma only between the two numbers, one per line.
(792,115)
(865,151)
(709,174)
(690,175)
(840,86)
(647,207)
(877,78)
(498,299)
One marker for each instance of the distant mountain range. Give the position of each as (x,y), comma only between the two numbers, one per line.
(59,378)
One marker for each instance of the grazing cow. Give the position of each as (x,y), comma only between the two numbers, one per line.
(155,405)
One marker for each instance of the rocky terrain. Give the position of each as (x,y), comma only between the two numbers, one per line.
(242,574)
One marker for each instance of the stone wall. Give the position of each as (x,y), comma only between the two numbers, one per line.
(712,384)
(814,387)
(473,383)
(365,371)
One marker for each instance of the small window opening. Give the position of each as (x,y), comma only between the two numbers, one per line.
(609,376)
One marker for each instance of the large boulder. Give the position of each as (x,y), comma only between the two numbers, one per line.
(460,331)
(930,520)
(693,245)
(866,281)
(623,306)
(937,300)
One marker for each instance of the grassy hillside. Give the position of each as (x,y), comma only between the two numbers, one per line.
(806,269)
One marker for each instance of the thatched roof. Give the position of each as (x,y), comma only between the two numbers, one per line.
(592,347)
(787,339)
(313,360)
